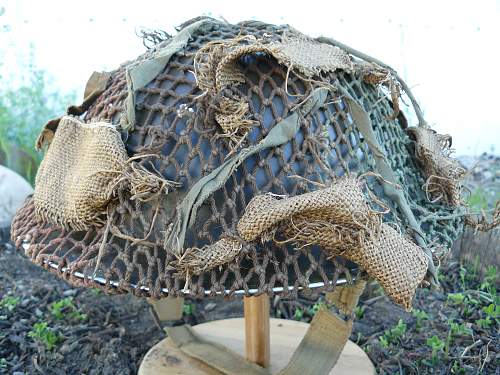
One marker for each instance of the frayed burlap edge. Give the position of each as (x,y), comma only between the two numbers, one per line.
(443,174)
(216,68)
(76,182)
(321,218)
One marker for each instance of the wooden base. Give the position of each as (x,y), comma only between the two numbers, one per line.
(164,358)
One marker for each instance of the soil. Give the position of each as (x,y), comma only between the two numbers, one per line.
(101,334)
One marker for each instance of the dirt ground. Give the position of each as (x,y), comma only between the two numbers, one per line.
(100,334)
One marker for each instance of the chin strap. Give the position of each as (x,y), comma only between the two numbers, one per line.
(317,353)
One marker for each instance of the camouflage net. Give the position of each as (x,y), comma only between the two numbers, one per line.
(175,121)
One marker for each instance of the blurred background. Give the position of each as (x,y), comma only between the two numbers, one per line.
(445,50)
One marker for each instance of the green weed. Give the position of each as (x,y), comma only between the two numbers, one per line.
(420,315)
(437,345)
(456,298)
(188,309)
(9,303)
(315,308)
(44,335)
(65,308)
(359,311)
(298,314)
(393,335)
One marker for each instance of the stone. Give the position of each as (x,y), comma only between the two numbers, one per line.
(13,191)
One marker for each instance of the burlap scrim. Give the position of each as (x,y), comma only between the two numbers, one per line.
(84,166)
(444,174)
(216,67)
(340,221)
(69,189)
(216,63)
(196,260)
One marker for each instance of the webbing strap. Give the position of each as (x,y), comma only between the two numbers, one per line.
(317,353)
(346,297)
(168,309)
(280,134)
(321,347)
(141,73)
(212,354)
(364,125)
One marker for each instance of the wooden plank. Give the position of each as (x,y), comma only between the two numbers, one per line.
(257,335)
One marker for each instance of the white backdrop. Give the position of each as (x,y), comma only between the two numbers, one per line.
(448,51)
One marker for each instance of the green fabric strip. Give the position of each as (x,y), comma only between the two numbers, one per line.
(364,125)
(280,134)
(141,73)
(320,349)
(213,354)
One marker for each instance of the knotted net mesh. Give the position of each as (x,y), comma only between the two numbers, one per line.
(174,121)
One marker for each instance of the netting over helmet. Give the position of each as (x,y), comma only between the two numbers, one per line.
(175,124)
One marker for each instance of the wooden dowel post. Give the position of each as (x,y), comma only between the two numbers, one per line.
(257,336)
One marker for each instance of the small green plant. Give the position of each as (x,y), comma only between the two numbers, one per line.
(456,298)
(44,335)
(359,311)
(188,309)
(492,312)
(315,308)
(420,315)
(457,368)
(66,308)
(489,281)
(437,345)
(298,314)
(9,303)
(391,336)
(459,329)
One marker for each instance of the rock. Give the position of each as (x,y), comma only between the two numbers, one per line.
(70,292)
(13,191)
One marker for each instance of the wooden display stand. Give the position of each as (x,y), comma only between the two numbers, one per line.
(268,342)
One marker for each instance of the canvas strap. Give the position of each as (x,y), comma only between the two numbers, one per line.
(141,73)
(322,345)
(390,183)
(280,134)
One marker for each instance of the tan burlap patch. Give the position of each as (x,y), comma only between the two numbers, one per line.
(340,221)
(197,260)
(216,62)
(444,175)
(343,203)
(84,166)
(216,67)
(71,187)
